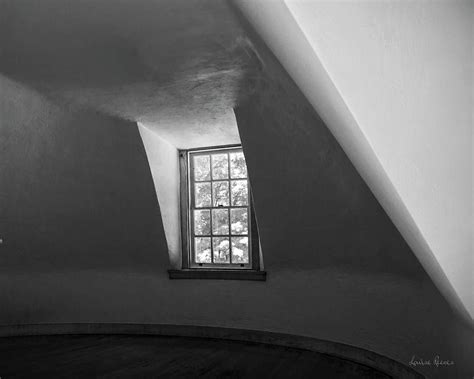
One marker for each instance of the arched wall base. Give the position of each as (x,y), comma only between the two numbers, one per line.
(358,355)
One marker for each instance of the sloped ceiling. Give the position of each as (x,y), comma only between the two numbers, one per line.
(393,83)
(176,66)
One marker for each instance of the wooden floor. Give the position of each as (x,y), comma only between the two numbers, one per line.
(125,356)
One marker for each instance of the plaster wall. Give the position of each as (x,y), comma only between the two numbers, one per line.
(404,71)
(395,62)
(337,268)
(164,165)
(75,190)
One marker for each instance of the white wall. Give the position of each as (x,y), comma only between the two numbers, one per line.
(392,81)
(404,71)
(164,166)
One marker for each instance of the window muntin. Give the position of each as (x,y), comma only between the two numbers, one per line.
(220,210)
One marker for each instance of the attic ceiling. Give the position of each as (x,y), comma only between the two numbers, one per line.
(176,66)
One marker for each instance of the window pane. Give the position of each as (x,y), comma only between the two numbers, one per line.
(221,250)
(238,168)
(202,194)
(239,192)
(220,166)
(220,193)
(238,220)
(220,221)
(202,249)
(202,167)
(240,250)
(202,222)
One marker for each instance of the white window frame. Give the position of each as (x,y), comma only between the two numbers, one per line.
(187,208)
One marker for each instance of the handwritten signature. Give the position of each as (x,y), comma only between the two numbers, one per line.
(436,361)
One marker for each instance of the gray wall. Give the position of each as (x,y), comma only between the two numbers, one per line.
(84,241)
(76,191)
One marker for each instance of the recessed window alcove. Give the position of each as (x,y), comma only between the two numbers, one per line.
(218,240)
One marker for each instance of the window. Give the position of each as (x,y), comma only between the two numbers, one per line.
(218,222)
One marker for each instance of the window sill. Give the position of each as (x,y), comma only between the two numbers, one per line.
(218,274)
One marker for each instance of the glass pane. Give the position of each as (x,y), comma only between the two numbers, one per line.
(202,222)
(202,167)
(238,220)
(202,249)
(221,250)
(202,194)
(238,168)
(220,166)
(240,250)
(221,193)
(239,192)
(220,221)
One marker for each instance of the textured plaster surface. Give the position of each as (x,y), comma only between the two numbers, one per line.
(176,66)
(164,165)
(76,190)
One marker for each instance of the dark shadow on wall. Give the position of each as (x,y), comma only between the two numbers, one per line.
(76,189)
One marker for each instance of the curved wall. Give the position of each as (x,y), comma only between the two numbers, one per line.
(75,189)
(84,242)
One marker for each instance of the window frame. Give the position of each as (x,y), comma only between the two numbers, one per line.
(187,208)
